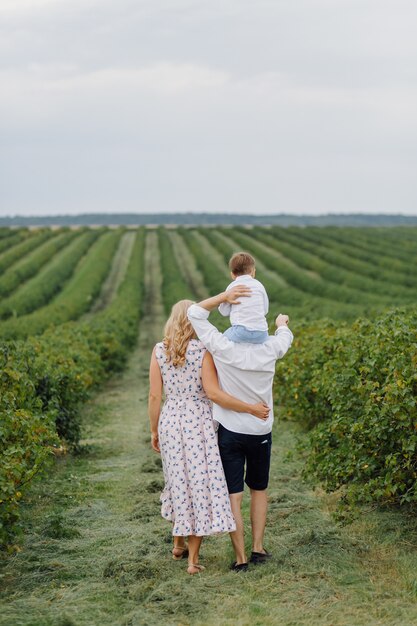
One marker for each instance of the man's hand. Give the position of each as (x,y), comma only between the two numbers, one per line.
(155,442)
(282,320)
(240,291)
(261,410)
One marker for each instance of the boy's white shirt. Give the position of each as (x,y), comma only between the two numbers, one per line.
(252,310)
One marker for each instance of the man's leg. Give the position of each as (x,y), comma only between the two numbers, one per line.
(258,510)
(258,455)
(237,535)
(233,460)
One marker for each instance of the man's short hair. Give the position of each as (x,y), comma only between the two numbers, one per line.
(241,263)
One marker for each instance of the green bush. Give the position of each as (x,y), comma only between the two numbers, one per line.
(26,432)
(15,238)
(33,257)
(358,386)
(45,379)
(17,252)
(49,281)
(75,298)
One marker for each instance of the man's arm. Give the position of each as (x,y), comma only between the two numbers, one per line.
(283,336)
(198,314)
(216,342)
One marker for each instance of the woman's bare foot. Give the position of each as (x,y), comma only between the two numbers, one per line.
(179,552)
(180,549)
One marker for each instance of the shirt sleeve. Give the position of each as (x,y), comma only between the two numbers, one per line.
(212,338)
(225,309)
(266,300)
(282,341)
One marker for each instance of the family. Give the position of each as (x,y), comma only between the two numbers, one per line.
(214,428)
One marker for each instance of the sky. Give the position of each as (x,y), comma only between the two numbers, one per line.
(237,106)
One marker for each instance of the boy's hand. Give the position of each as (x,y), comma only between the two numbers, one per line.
(282,320)
(232,295)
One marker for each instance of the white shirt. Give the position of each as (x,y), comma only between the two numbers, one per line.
(251,311)
(245,371)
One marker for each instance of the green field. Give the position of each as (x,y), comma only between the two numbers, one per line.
(82,539)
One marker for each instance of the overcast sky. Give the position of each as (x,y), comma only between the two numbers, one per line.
(254,106)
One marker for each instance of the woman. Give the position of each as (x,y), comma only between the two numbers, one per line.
(195,498)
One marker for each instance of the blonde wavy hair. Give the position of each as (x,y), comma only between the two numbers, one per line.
(177,334)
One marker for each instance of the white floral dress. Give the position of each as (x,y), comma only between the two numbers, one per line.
(195,497)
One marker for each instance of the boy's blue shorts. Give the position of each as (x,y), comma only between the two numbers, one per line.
(240,334)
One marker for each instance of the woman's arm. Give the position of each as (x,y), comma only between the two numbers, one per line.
(230,296)
(225,400)
(155,399)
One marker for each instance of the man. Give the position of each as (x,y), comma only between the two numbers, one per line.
(245,371)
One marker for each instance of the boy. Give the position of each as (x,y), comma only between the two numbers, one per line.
(248,323)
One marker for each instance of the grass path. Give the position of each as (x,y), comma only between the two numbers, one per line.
(98,554)
(116,274)
(188,266)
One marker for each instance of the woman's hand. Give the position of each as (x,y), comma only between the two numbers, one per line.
(260,410)
(240,291)
(155,442)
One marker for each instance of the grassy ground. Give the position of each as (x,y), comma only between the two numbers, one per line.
(97,552)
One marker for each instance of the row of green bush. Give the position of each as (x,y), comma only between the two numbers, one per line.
(44,380)
(355,387)
(77,295)
(214,279)
(298,303)
(5,232)
(14,238)
(306,282)
(40,289)
(348,253)
(18,251)
(32,259)
(335,267)
(397,254)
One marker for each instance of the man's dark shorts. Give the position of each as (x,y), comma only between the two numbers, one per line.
(237,449)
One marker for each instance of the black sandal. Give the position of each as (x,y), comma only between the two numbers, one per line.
(260,557)
(239,567)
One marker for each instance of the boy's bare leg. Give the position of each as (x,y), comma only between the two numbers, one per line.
(237,536)
(258,510)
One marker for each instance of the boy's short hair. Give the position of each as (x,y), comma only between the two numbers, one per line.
(241,263)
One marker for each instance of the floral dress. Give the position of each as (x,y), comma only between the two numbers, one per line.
(195,497)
